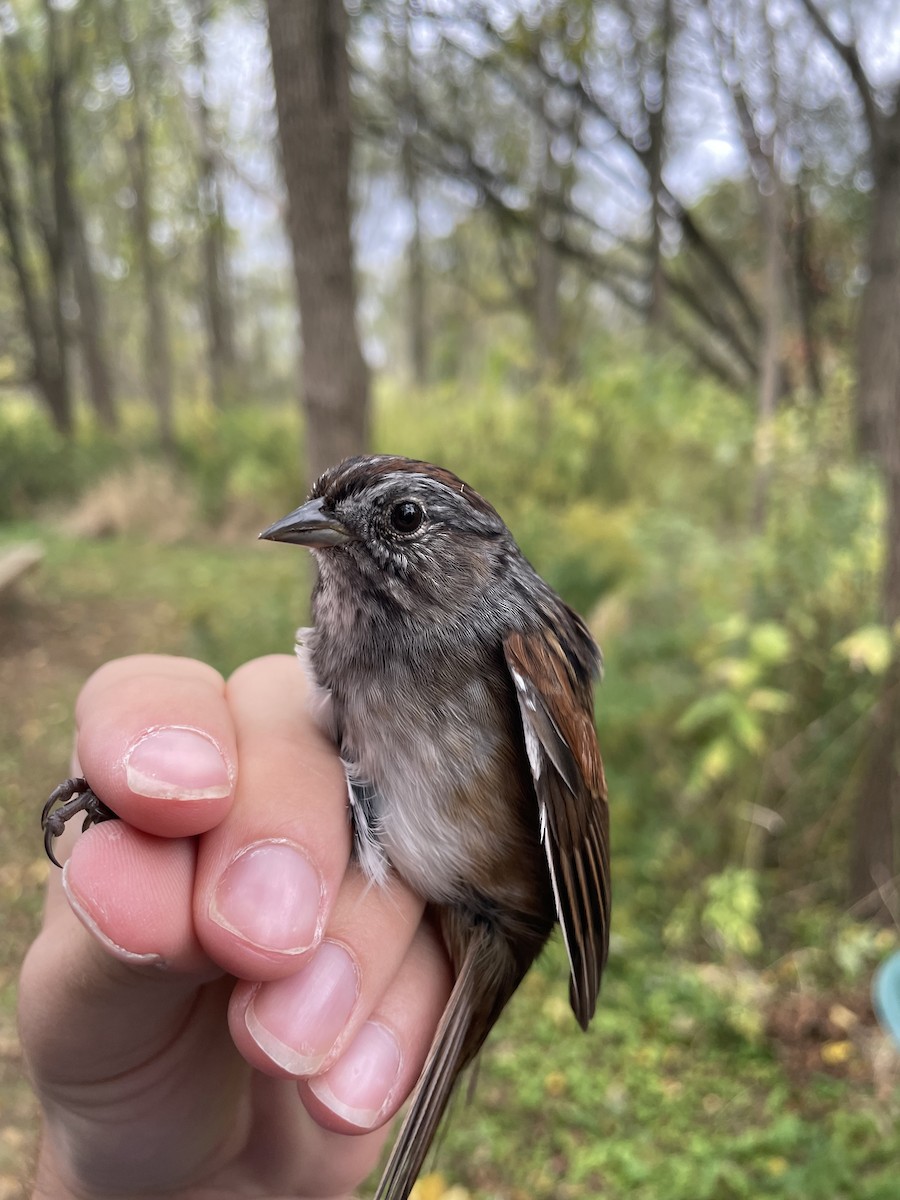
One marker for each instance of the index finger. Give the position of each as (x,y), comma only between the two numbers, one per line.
(157,744)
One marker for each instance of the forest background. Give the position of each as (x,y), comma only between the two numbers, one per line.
(631,268)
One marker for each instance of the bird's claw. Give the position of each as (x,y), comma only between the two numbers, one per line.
(73,796)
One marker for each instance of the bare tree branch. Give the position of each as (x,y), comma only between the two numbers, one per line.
(671,204)
(849,55)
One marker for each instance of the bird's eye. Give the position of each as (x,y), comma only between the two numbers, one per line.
(407,516)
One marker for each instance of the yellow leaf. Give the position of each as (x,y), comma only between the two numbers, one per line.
(555,1083)
(769,700)
(886,939)
(843,1017)
(716,760)
(770,642)
(867,649)
(736,673)
(834,1053)
(434,1187)
(429,1187)
(777,1165)
(557,1009)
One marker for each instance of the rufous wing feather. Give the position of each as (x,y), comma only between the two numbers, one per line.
(554,691)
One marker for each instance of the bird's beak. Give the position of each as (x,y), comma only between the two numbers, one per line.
(308,525)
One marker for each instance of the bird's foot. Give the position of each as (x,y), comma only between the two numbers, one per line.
(73,796)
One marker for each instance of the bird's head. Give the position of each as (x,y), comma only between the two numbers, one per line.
(409,529)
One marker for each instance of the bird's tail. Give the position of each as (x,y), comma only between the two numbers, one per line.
(460,1033)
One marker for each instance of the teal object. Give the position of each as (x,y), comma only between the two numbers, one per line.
(886,995)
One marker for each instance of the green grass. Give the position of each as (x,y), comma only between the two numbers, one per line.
(661,1100)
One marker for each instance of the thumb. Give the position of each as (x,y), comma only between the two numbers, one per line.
(120,1019)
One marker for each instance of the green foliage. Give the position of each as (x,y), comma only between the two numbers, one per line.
(870,648)
(726,909)
(245,458)
(730,717)
(37,464)
(829,949)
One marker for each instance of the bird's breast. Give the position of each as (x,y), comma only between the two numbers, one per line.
(451,805)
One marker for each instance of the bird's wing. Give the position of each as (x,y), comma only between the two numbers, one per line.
(367,847)
(557,719)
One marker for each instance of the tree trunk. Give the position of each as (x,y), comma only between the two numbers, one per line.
(418,337)
(550,202)
(59,241)
(47,353)
(157,345)
(223,367)
(69,245)
(878,337)
(92,329)
(547,318)
(51,385)
(878,344)
(806,291)
(312,91)
(157,350)
(872,852)
(656,127)
(416,293)
(773,308)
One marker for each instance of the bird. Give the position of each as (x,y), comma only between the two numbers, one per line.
(458,687)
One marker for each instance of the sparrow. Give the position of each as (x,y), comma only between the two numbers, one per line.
(460,695)
(458,687)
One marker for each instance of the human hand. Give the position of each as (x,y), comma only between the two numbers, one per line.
(218,1004)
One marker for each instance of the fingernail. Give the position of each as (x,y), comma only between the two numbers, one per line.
(296,1021)
(177,763)
(270,895)
(360,1084)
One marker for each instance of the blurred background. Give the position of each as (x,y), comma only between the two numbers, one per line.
(632,269)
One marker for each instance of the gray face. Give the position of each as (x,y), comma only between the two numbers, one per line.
(410,526)
(398,540)
(427,544)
